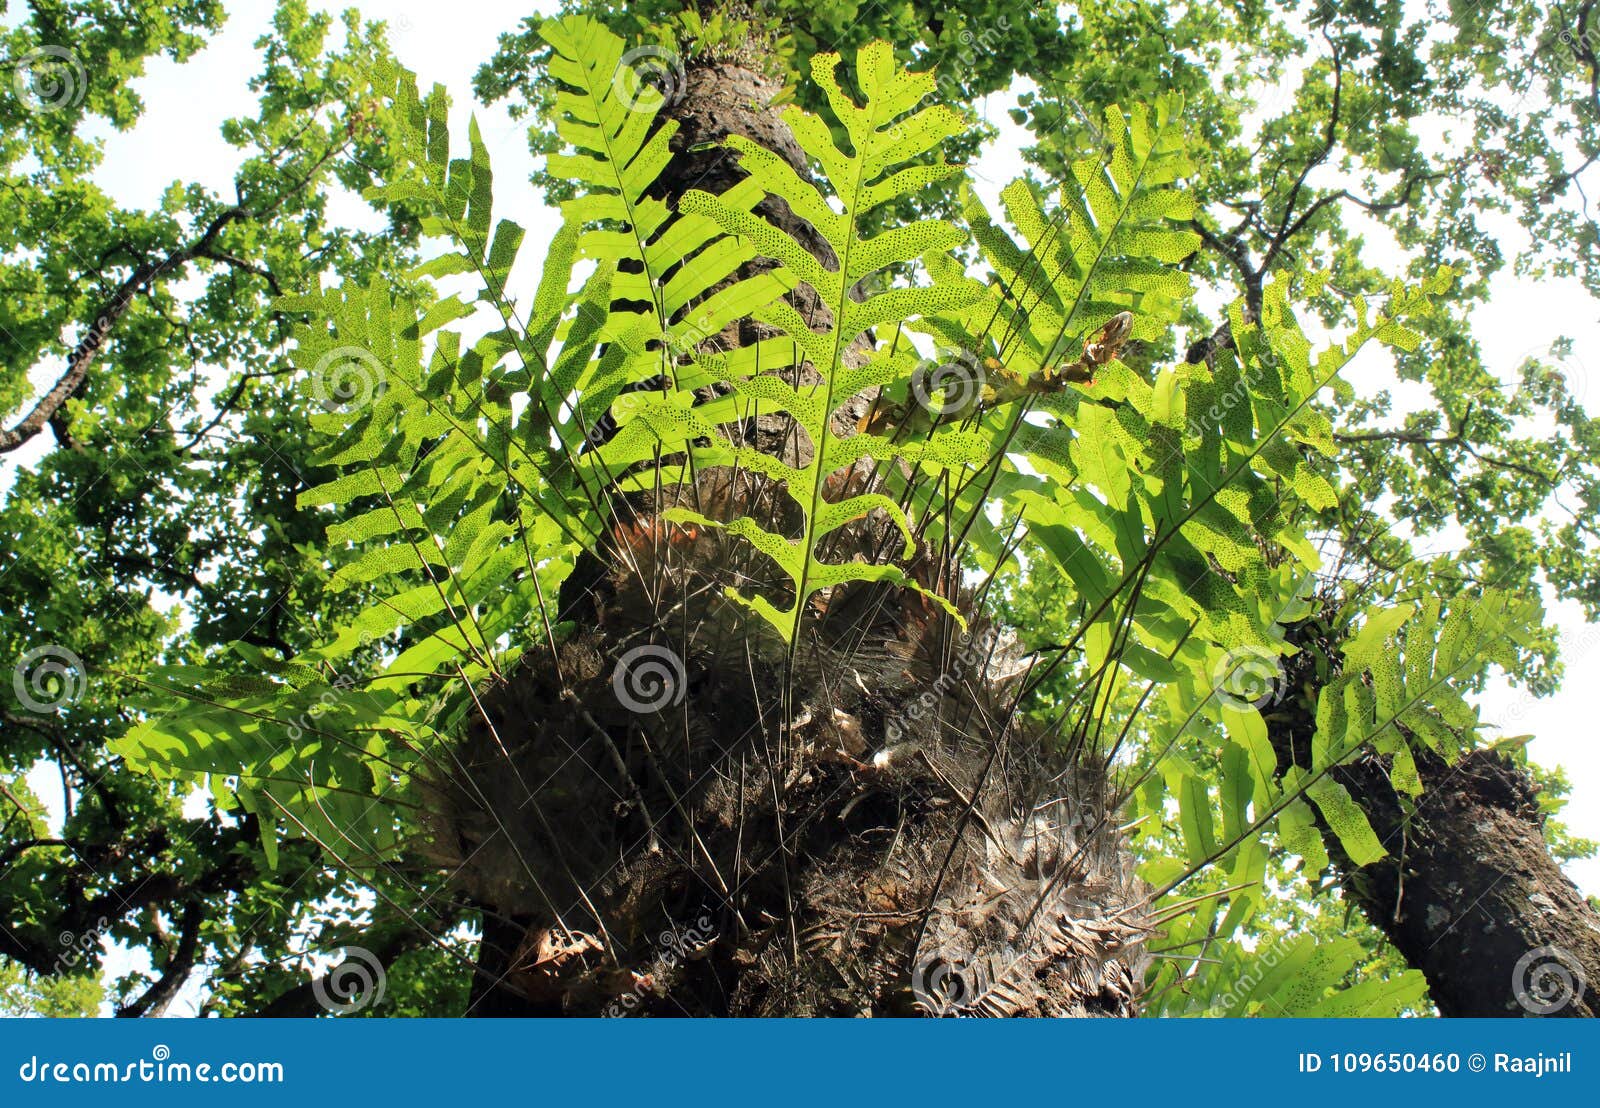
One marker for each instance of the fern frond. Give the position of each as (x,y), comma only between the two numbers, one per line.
(618,148)
(806,373)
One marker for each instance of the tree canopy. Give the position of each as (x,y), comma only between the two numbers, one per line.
(289,504)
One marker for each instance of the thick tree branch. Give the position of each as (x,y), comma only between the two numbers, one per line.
(1469,892)
(110,312)
(1457,437)
(49,408)
(180,964)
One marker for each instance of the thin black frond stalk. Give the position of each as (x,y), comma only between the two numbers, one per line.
(463,774)
(1029,687)
(969,809)
(516,329)
(998,465)
(1174,910)
(1138,708)
(504,463)
(1335,759)
(1021,320)
(776,778)
(455,620)
(1098,679)
(1104,692)
(1163,537)
(387,899)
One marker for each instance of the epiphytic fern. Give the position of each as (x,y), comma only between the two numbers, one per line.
(1112,245)
(459,516)
(660,308)
(463,510)
(1400,693)
(806,369)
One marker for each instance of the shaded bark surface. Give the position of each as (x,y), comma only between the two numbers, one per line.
(860,828)
(1469,892)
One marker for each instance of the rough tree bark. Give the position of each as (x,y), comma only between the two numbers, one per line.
(861,828)
(1469,893)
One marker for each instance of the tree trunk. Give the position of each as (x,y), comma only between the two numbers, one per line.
(1469,892)
(674,814)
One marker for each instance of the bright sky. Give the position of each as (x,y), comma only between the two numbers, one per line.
(178,139)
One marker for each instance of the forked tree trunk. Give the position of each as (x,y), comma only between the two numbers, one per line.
(672,816)
(1469,892)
